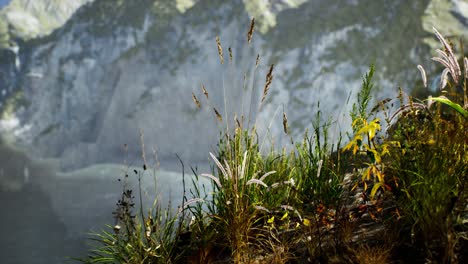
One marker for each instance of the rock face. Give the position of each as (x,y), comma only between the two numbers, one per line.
(119,66)
(28,19)
(448,16)
(77,92)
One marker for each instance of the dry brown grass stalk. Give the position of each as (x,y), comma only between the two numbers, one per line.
(285,124)
(143,155)
(237,122)
(230,54)
(218,115)
(220,49)
(251,31)
(465,87)
(423,75)
(372,254)
(465,60)
(205,92)
(448,58)
(195,100)
(269,79)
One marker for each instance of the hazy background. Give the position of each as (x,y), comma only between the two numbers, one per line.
(79,79)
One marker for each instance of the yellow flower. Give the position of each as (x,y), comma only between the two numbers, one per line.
(271,220)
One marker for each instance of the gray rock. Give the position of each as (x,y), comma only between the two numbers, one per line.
(107,73)
(450,17)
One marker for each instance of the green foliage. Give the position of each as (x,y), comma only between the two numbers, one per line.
(311,202)
(365,142)
(431,169)
(12,104)
(452,105)
(319,173)
(144,239)
(245,181)
(360,109)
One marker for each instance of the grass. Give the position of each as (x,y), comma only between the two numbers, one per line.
(393,191)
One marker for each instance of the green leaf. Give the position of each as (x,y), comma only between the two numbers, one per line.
(451,104)
(271,220)
(376,188)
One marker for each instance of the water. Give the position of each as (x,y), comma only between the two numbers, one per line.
(95,82)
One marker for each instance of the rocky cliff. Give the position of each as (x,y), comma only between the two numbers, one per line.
(119,66)
(448,15)
(29,19)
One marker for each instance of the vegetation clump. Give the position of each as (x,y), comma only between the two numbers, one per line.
(394,192)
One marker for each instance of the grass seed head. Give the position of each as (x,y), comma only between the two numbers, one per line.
(269,79)
(218,115)
(195,100)
(423,75)
(285,124)
(251,31)
(205,92)
(220,50)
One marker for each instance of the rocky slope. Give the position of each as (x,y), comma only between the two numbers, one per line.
(448,15)
(76,94)
(117,67)
(28,19)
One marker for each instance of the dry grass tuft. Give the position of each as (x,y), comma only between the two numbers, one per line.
(365,254)
(279,255)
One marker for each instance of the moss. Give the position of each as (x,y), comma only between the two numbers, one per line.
(31,20)
(4,35)
(12,104)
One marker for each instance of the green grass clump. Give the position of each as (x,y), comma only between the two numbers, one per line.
(137,237)
(394,192)
(431,168)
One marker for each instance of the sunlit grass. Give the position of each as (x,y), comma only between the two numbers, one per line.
(401,171)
